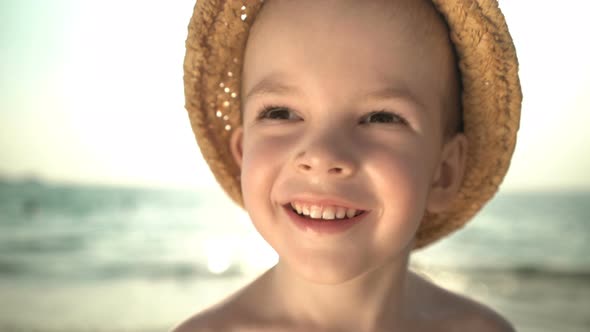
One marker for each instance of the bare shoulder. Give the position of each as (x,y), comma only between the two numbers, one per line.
(205,321)
(479,317)
(459,313)
(228,316)
(237,313)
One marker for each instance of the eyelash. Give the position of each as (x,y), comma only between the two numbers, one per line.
(267,110)
(394,117)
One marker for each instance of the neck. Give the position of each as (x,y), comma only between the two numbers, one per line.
(367,302)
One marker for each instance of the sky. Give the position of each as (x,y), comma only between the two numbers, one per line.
(92,91)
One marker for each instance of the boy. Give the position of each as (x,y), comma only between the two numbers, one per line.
(351,137)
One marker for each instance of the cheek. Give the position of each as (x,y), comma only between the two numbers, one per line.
(263,161)
(403,185)
(404,165)
(402,179)
(261,164)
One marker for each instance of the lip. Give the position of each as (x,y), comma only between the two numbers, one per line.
(320,226)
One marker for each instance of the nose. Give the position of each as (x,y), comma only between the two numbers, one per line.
(326,157)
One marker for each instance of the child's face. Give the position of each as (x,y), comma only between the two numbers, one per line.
(355,91)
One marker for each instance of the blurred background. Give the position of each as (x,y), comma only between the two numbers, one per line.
(111,221)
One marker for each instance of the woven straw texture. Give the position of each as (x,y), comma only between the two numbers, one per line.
(491,96)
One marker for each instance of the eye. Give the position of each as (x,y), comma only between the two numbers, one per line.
(383,117)
(277,113)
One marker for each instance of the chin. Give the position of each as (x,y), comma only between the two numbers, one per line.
(326,270)
(329,275)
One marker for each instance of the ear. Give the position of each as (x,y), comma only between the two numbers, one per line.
(236,144)
(449,174)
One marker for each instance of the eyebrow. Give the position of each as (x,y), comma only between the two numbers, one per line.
(273,84)
(400,92)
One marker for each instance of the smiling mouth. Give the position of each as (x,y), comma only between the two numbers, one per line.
(323,212)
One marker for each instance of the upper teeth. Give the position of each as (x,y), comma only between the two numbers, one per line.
(328,212)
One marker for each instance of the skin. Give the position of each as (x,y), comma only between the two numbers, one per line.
(352,105)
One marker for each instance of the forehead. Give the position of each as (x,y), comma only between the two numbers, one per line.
(348,46)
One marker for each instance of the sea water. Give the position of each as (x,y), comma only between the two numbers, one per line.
(97,258)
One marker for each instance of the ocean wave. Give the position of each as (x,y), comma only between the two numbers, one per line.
(113,270)
(520,271)
(55,244)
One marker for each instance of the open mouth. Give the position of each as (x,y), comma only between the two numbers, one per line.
(323,212)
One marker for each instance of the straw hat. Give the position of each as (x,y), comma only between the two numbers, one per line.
(491,96)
